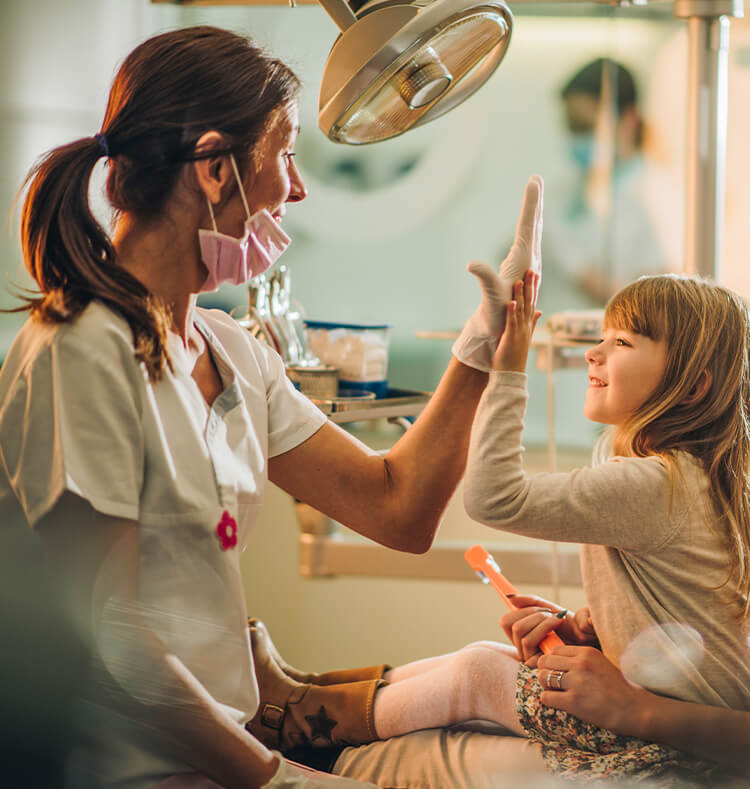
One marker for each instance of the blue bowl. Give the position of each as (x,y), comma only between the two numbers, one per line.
(379,387)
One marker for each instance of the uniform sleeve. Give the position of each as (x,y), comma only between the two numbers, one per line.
(292,418)
(72,422)
(624,503)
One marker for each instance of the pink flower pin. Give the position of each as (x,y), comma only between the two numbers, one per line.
(227,531)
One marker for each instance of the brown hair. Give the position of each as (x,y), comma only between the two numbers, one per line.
(706,328)
(169,91)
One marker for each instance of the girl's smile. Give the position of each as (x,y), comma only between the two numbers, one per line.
(624,371)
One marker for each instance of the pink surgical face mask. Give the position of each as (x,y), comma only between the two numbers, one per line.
(238,260)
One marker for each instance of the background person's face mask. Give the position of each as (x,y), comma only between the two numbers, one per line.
(238,260)
(581,148)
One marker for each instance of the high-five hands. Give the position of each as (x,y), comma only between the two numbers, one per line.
(520,320)
(477,342)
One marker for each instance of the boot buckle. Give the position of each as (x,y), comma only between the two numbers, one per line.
(272,716)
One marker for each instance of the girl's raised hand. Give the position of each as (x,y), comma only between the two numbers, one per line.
(520,320)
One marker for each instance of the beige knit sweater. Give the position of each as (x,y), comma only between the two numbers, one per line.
(650,553)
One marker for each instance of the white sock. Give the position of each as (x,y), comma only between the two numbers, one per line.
(476,683)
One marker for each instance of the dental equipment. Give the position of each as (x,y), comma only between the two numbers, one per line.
(259,312)
(397,65)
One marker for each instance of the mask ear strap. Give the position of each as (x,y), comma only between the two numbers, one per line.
(239,183)
(211,212)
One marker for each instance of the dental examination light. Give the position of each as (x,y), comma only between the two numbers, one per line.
(399,63)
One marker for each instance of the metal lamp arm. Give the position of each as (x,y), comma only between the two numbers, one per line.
(340,12)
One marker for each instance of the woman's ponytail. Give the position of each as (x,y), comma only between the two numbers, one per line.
(71,257)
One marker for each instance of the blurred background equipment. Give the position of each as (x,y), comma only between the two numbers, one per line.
(359,351)
(272,318)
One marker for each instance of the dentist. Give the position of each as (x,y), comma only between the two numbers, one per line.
(138,432)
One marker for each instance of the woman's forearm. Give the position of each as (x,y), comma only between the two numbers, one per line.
(716,733)
(426,464)
(396,500)
(596,691)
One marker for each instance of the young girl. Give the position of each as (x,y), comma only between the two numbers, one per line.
(664,525)
(664,522)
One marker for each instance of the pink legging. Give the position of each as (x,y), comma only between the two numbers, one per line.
(476,683)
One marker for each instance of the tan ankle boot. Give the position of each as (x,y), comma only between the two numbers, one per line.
(292,713)
(261,640)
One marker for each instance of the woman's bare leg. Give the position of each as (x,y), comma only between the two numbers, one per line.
(476,683)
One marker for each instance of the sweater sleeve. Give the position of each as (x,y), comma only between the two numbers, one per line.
(624,503)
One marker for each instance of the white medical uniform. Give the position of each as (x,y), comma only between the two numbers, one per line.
(78,413)
(640,234)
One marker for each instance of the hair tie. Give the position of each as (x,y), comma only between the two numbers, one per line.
(101,139)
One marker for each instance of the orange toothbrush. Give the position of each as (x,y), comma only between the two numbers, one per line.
(485,566)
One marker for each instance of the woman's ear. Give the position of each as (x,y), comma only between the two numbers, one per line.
(699,390)
(213,173)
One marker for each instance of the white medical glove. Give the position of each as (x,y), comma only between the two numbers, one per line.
(478,340)
(291,775)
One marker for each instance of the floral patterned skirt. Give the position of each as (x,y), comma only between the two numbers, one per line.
(578,750)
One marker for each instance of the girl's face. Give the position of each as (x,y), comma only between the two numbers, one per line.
(624,371)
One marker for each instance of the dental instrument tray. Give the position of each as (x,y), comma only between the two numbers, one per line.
(396,403)
(484,565)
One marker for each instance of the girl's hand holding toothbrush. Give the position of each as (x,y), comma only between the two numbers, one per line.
(536,618)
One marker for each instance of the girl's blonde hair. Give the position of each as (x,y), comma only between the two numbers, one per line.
(706,329)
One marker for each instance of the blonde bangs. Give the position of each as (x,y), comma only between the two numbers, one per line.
(639,307)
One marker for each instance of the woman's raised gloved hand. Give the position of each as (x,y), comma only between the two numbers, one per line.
(478,340)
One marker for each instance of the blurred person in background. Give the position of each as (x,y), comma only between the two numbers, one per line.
(617,215)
